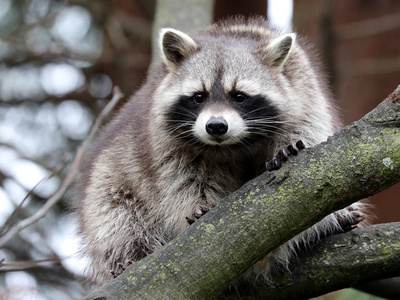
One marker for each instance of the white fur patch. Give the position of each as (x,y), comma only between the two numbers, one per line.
(192,86)
(237,128)
(249,87)
(228,81)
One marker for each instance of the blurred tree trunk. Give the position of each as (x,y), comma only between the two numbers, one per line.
(187,16)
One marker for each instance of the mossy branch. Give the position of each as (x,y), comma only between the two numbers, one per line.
(359,161)
(338,261)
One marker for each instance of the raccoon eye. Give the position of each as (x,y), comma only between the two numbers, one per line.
(199,97)
(239,97)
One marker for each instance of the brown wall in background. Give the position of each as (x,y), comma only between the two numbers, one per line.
(359,41)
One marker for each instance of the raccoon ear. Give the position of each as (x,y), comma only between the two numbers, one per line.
(277,52)
(175,46)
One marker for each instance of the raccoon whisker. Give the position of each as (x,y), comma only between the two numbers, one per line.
(176,135)
(286,129)
(269,134)
(195,141)
(272,117)
(255,110)
(180,121)
(180,124)
(185,111)
(258,136)
(278,116)
(267,125)
(170,137)
(271,129)
(181,135)
(269,121)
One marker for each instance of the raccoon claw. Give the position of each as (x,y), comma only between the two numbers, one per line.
(120,269)
(283,154)
(189,220)
(300,145)
(198,214)
(205,209)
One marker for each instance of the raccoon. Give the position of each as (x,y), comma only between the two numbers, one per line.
(220,107)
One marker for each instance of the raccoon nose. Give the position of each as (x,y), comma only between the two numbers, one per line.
(216,126)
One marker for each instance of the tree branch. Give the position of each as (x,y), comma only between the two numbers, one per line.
(337,262)
(359,161)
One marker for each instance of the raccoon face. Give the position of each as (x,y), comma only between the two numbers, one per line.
(205,120)
(210,100)
(216,116)
(223,120)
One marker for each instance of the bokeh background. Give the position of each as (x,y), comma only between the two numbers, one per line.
(59,60)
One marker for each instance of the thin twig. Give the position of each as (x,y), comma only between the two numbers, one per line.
(70,176)
(28,264)
(17,211)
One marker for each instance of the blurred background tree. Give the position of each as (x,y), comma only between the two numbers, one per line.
(58,63)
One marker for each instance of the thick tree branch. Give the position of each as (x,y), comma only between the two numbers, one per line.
(359,161)
(337,262)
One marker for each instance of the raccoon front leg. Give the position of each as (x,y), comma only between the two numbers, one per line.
(350,219)
(276,162)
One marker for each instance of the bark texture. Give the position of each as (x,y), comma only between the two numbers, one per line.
(339,261)
(359,161)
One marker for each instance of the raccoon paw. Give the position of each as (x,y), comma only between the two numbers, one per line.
(351,220)
(283,154)
(120,269)
(198,214)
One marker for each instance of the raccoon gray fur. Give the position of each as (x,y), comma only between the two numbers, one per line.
(221,104)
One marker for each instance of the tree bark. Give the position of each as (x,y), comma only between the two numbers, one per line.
(359,161)
(338,261)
